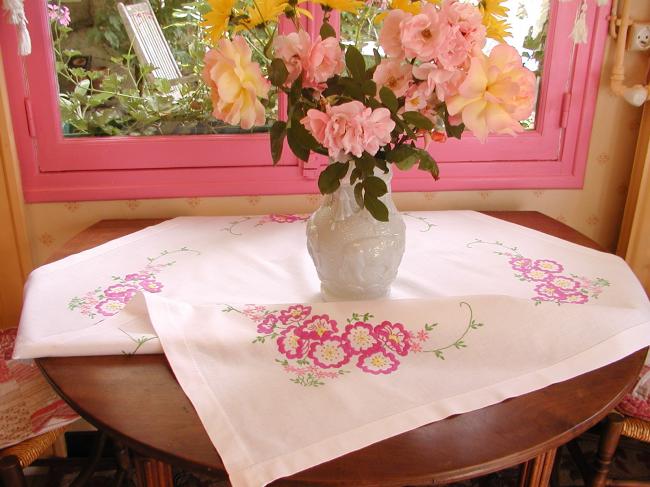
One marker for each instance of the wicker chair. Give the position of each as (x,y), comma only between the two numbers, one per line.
(630,419)
(15,458)
(32,416)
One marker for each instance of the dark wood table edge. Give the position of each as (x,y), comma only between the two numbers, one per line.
(538,452)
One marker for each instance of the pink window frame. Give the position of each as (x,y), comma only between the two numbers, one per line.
(56,169)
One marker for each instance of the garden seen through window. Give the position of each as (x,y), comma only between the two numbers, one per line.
(148,82)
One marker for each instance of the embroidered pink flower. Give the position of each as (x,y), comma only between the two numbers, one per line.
(151,286)
(120,292)
(236,83)
(292,345)
(564,283)
(254,312)
(109,307)
(360,336)
(286,218)
(332,352)
(395,75)
(549,291)
(422,336)
(575,298)
(393,336)
(138,276)
(378,362)
(496,94)
(535,274)
(294,313)
(268,324)
(548,265)
(317,327)
(520,263)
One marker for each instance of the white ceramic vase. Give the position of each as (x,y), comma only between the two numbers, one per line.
(356,256)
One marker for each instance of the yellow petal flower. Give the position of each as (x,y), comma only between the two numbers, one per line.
(263,11)
(494,19)
(218,18)
(351,6)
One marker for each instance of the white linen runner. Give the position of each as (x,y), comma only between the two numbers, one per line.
(482,310)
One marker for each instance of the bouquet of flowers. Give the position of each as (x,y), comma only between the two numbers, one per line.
(429,79)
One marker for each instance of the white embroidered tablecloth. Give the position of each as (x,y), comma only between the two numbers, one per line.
(482,310)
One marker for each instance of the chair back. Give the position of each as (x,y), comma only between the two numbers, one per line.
(148,40)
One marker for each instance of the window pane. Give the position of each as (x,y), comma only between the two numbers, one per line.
(528,23)
(110,85)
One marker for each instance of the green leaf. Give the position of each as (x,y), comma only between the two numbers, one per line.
(355,63)
(428,164)
(82,87)
(330,179)
(326,30)
(404,157)
(376,208)
(419,120)
(278,133)
(358,194)
(354,175)
(365,164)
(300,151)
(389,99)
(377,56)
(375,186)
(455,131)
(369,87)
(278,73)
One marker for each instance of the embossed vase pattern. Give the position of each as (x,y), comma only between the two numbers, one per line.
(356,256)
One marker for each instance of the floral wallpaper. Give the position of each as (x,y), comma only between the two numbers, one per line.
(596,210)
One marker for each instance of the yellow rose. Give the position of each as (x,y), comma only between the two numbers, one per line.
(236,83)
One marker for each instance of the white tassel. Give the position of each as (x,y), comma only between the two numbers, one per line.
(579,32)
(17,16)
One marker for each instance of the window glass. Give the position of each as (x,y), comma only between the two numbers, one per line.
(528,26)
(112,85)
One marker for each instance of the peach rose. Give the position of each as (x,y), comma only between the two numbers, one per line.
(324,61)
(418,34)
(349,129)
(236,83)
(390,33)
(393,74)
(497,93)
(377,126)
(293,49)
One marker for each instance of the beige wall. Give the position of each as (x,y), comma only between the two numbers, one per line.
(596,210)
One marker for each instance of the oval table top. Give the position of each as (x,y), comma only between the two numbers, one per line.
(137,400)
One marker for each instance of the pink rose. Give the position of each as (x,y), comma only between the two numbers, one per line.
(293,49)
(324,61)
(393,74)
(419,33)
(390,34)
(468,21)
(497,93)
(236,83)
(377,126)
(349,129)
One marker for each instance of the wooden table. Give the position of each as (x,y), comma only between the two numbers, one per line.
(137,400)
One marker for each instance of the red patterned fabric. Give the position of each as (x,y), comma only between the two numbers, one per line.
(28,405)
(637,402)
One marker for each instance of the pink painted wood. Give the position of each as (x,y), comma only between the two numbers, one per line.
(58,169)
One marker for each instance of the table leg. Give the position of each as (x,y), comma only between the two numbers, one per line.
(152,473)
(537,472)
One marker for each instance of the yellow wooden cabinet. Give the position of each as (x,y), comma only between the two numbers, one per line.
(15,260)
